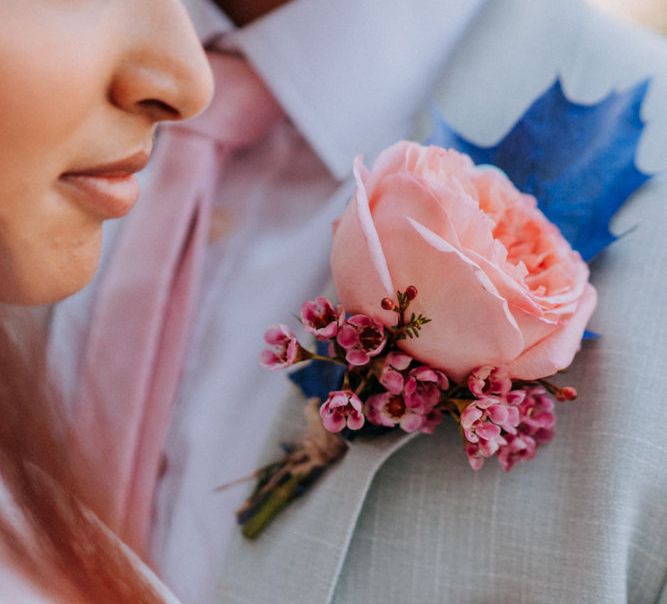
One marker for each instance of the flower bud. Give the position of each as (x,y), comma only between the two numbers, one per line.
(387,304)
(411,293)
(567,393)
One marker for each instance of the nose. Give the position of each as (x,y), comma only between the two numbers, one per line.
(163,73)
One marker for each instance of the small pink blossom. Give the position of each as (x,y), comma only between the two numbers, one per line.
(389,410)
(362,338)
(321,318)
(286,349)
(537,416)
(518,448)
(431,421)
(515,397)
(486,423)
(500,412)
(475,457)
(342,408)
(480,430)
(535,427)
(391,378)
(424,387)
(489,381)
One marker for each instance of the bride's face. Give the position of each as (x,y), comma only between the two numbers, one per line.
(82,85)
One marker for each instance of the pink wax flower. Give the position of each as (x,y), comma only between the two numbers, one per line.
(479,428)
(362,338)
(500,283)
(486,423)
(286,349)
(431,421)
(483,449)
(475,457)
(424,386)
(489,381)
(535,426)
(391,377)
(321,318)
(390,410)
(519,447)
(515,397)
(342,408)
(537,416)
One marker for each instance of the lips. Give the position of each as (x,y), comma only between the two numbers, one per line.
(109,190)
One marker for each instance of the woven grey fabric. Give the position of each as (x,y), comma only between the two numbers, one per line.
(405,520)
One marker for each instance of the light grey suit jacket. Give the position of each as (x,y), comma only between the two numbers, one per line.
(405,520)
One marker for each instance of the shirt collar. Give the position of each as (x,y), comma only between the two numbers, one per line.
(351,74)
(209,21)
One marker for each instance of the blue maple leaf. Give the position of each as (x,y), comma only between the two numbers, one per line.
(318,378)
(577,160)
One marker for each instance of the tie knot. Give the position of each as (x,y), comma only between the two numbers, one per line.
(242,110)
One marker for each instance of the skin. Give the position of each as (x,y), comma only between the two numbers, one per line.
(242,12)
(83,84)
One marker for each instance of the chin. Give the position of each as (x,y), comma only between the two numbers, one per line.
(38,283)
(49,291)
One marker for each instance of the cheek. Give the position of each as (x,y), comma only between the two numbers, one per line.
(46,97)
(52,84)
(50,93)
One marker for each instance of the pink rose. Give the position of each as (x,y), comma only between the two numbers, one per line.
(500,283)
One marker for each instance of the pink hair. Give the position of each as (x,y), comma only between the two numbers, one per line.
(69,553)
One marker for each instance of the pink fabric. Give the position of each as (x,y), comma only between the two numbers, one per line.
(143,315)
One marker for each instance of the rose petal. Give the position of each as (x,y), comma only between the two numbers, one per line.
(556,351)
(359,269)
(460,335)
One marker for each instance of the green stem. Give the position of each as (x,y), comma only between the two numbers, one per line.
(549,386)
(319,357)
(363,383)
(276,501)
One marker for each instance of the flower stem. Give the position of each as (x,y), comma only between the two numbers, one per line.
(551,388)
(276,501)
(318,357)
(363,383)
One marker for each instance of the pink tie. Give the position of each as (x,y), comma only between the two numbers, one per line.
(144,311)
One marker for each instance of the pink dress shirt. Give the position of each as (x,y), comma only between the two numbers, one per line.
(350,79)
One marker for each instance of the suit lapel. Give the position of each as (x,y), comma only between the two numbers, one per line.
(299,557)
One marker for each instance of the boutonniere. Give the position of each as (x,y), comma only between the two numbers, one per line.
(462,287)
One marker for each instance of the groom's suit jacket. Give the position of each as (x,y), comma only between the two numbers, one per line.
(404,519)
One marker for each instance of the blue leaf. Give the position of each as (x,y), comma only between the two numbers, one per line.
(318,378)
(577,160)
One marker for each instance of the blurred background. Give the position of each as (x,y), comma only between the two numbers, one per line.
(650,13)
